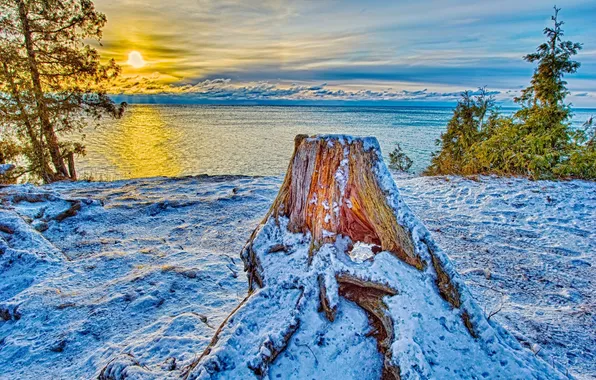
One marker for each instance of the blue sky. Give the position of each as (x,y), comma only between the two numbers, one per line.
(337,51)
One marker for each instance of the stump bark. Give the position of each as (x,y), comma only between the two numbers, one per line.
(346,282)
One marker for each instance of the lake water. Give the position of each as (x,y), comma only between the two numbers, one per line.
(174,140)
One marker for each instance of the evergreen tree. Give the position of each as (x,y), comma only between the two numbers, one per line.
(548,88)
(399,160)
(471,117)
(52,81)
(545,118)
(537,141)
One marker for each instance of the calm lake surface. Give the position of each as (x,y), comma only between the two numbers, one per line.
(175,140)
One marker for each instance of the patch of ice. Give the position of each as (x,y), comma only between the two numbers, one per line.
(361,252)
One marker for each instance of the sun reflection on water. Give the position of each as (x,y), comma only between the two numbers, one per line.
(143,145)
(174,140)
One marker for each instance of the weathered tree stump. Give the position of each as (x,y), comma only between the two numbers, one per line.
(345,282)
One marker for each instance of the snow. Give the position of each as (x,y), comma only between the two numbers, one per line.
(151,268)
(526,248)
(5,168)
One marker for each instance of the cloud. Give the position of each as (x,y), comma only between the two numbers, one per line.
(225,90)
(441,45)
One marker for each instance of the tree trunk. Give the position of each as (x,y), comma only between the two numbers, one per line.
(42,110)
(71,166)
(44,170)
(346,283)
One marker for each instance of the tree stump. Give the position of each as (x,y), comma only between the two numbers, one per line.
(345,282)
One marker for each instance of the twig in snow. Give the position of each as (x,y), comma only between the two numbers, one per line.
(234,273)
(496,310)
(311,351)
(486,286)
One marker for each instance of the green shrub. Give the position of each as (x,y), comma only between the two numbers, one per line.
(581,161)
(398,160)
(473,118)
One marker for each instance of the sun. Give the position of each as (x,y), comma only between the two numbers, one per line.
(135,59)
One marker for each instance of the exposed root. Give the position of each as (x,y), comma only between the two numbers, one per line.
(324,300)
(6,229)
(370,299)
(75,207)
(390,372)
(269,349)
(260,366)
(186,371)
(253,267)
(446,288)
(277,248)
(468,323)
(346,278)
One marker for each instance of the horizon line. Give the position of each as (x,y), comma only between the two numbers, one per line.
(142,100)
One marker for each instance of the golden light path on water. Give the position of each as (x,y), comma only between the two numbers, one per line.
(141,145)
(174,140)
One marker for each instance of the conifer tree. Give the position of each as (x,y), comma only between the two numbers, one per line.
(542,140)
(468,123)
(545,117)
(538,140)
(51,79)
(548,87)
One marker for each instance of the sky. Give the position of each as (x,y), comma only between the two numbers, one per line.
(336,52)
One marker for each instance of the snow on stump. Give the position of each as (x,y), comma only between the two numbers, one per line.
(346,283)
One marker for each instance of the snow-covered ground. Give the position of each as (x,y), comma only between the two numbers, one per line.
(151,267)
